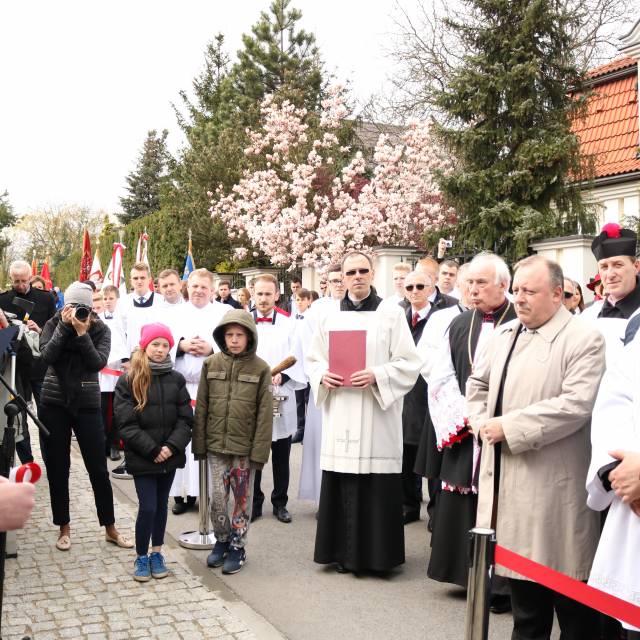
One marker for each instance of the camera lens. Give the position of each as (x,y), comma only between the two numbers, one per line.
(82,313)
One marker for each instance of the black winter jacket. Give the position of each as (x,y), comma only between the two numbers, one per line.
(73,361)
(167,419)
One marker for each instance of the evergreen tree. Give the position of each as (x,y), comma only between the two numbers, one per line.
(277,58)
(146,183)
(508,112)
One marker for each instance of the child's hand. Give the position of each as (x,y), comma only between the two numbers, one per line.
(165,454)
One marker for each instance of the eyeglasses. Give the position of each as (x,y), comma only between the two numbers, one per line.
(360,272)
(419,287)
(568,294)
(335,281)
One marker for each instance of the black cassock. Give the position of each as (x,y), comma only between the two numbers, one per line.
(455,512)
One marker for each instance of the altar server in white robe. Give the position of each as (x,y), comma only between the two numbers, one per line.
(615,251)
(133,311)
(615,436)
(277,341)
(360,524)
(192,325)
(310,472)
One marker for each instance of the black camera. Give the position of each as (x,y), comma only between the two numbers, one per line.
(82,312)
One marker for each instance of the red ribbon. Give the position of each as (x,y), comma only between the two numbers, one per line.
(574,589)
(111,372)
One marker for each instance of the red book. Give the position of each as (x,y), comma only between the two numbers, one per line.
(347,353)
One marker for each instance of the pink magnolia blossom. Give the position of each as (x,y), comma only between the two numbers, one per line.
(295,203)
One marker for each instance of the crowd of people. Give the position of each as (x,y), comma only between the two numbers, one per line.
(511,396)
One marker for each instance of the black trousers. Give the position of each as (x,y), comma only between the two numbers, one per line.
(87,425)
(280,450)
(27,387)
(411,482)
(302,399)
(153,495)
(533,606)
(108,423)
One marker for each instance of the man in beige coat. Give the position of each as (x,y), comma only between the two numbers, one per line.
(530,400)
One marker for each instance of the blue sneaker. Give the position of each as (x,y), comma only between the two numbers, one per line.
(158,567)
(234,560)
(217,555)
(142,571)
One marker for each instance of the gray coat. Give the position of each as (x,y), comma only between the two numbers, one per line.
(549,393)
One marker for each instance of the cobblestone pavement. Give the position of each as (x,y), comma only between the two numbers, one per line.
(88,592)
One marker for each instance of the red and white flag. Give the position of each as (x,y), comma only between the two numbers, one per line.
(115,275)
(142,253)
(96,269)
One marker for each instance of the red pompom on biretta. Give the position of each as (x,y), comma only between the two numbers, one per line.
(612,229)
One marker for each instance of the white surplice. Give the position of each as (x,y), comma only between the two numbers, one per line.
(117,352)
(129,319)
(612,330)
(362,428)
(616,425)
(277,341)
(188,321)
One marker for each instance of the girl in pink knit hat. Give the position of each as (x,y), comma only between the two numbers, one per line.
(153,411)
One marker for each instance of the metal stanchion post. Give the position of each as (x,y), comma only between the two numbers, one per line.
(203,538)
(483,542)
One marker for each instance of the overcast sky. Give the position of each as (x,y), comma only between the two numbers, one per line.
(83,82)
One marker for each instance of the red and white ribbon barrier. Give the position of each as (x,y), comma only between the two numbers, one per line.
(29,472)
(574,589)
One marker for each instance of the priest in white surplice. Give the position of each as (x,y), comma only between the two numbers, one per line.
(192,325)
(360,523)
(615,429)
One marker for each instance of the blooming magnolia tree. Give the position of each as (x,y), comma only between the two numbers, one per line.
(305,197)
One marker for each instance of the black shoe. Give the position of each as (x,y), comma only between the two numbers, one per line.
(430,525)
(121,473)
(256,513)
(191,502)
(340,568)
(114,454)
(179,508)
(282,514)
(410,516)
(234,560)
(298,436)
(500,604)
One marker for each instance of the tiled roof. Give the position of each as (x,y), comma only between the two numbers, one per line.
(615,65)
(609,132)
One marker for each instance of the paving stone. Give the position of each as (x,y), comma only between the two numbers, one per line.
(88,592)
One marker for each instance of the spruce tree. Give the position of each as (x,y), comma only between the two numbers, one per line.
(508,110)
(278,58)
(146,182)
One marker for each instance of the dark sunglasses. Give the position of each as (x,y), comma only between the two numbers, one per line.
(568,294)
(419,287)
(360,272)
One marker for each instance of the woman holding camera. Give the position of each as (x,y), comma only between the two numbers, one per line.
(75,345)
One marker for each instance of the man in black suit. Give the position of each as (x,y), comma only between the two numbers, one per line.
(419,286)
(29,371)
